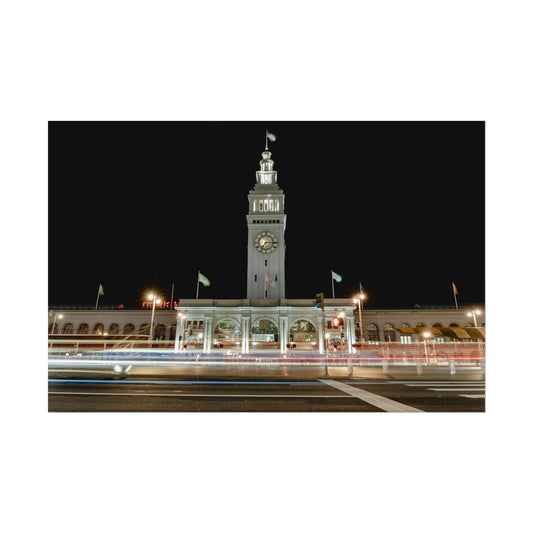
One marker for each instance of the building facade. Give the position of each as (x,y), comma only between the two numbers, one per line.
(265,320)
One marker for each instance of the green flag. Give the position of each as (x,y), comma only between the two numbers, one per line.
(101,290)
(203,280)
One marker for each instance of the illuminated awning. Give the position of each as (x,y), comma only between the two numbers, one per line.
(454,333)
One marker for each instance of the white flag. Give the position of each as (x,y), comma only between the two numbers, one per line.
(336,277)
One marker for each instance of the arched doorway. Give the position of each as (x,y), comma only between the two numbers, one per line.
(227,334)
(264,334)
(302,335)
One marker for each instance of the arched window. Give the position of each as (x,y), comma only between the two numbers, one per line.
(264,330)
(114,329)
(373,333)
(227,333)
(68,329)
(129,329)
(436,325)
(453,325)
(98,329)
(388,333)
(420,325)
(160,332)
(83,329)
(144,329)
(302,331)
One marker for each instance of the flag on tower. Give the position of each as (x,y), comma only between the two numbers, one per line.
(336,277)
(271,136)
(203,280)
(268,281)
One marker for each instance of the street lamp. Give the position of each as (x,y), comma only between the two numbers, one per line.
(358,300)
(56,316)
(181,316)
(426,335)
(473,314)
(155,300)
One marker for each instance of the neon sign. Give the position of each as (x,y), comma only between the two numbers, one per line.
(162,305)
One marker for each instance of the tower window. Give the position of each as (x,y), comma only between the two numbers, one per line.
(266,260)
(276,277)
(255,277)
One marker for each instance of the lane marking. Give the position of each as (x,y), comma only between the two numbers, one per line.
(472,395)
(199,394)
(386,404)
(462,389)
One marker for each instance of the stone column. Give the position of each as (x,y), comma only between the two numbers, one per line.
(320,332)
(283,333)
(245,334)
(208,327)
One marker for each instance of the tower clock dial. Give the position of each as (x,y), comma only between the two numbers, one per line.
(266,242)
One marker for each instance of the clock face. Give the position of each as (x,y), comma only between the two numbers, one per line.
(266,242)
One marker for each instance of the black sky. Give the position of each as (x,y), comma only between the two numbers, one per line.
(399,206)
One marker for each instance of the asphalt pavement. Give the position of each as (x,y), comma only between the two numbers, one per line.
(266,388)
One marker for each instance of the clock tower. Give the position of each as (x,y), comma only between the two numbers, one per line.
(266,234)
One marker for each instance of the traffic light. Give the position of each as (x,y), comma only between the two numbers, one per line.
(320,301)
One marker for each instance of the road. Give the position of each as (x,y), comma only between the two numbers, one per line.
(266,388)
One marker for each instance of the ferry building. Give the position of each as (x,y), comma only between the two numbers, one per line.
(265,319)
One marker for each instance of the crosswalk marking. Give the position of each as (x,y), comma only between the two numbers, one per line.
(386,404)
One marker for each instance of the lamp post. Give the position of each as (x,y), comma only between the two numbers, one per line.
(181,316)
(56,316)
(155,300)
(473,314)
(426,334)
(358,300)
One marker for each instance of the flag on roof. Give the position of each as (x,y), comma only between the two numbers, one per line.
(203,280)
(455,291)
(271,136)
(336,277)
(101,290)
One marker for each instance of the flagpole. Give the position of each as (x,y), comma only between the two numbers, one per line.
(197,284)
(172,297)
(266,139)
(332,285)
(454,295)
(97,297)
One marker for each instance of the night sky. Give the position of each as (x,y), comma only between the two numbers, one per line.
(398,206)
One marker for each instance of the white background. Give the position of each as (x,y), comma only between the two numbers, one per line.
(232,60)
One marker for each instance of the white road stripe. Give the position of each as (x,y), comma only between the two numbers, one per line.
(458,389)
(386,404)
(449,383)
(194,394)
(472,395)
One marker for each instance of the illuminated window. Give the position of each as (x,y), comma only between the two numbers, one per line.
(388,333)
(373,334)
